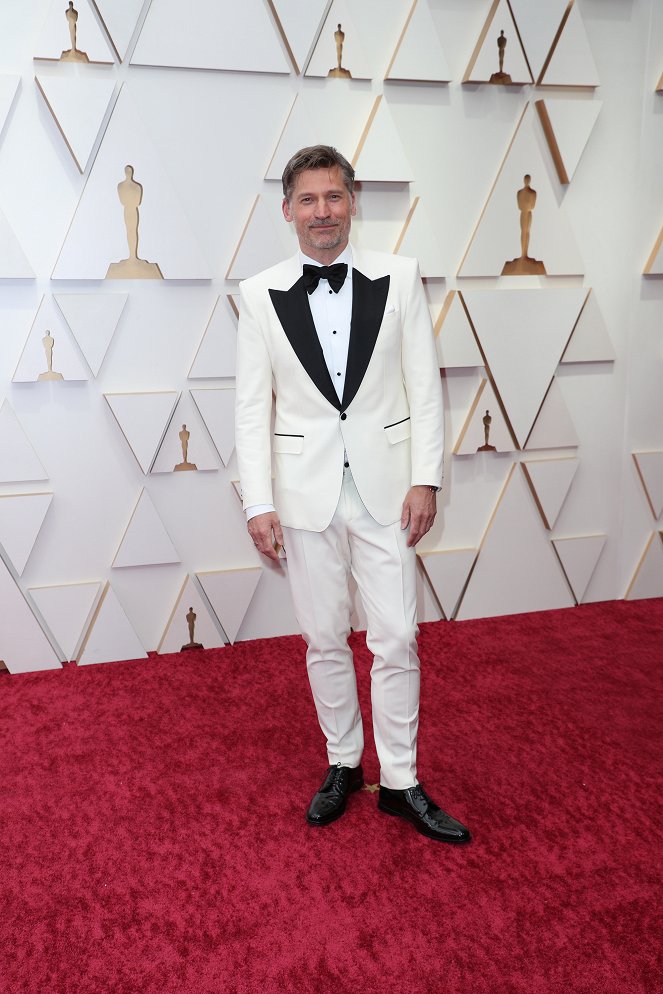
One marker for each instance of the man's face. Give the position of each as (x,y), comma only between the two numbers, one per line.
(322,211)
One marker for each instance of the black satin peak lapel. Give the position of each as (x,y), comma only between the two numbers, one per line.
(369,299)
(294,313)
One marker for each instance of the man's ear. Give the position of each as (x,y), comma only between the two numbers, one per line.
(285,207)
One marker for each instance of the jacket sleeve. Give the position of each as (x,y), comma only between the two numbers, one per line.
(421,375)
(253,406)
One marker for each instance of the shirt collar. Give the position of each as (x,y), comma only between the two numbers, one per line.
(345,256)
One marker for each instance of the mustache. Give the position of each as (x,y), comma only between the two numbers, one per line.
(325,224)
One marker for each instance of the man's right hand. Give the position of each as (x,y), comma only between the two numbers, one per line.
(265,530)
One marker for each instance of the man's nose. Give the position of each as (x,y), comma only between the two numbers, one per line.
(322,208)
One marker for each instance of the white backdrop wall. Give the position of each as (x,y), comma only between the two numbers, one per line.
(203,139)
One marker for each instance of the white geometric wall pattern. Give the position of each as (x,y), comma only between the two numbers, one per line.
(647,579)
(186,443)
(205,627)
(516,569)
(67,610)
(23,644)
(419,54)
(260,245)
(571,63)
(241,37)
(120,19)
(538,25)
(14,264)
(79,108)
(554,427)
(456,344)
(92,318)
(654,264)
(418,240)
(300,23)
(54,39)
(8,90)
(110,637)
(485,420)
(590,341)
(550,481)
(21,518)
(369,161)
(230,592)
(216,355)
(145,541)
(143,419)
(19,463)
(333,114)
(522,334)
(484,66)
(448,571)
(497,236)
(649,466)
(217,409)
(325,53)
(98,236)
(567,125)
(579,556)
(50,353)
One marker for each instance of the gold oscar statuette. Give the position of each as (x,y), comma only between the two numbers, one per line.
(525,265)
(487,420)
(72,54)
(48,342)
(501,77)
(185,435)
(338,72)
(130,193)
(191,622)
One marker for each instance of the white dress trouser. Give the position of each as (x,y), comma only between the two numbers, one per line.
(384,568)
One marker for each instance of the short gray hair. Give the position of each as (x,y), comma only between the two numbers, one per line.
(316,157)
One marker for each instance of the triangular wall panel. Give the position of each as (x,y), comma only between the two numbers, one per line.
(448,572)
(240,37)
(550,481)
(567,125)
(456,344)
(647,579)
(325,57)
(24,647)
(590,341)
(143,419)
(21,518)
(217,409)
(14,264)
(230,592)
(649,466)
(145,541)
(260,245)
(554,427)
(571,62)
(496,242)
(522,334)
(205,631)
(419,241)
(516,570)
(93,319)
(485,414)
(67,611)
(79,109)
(200,452)
(216,355)
(369,161)
(111,636)
(19,463)
(54,40)
(419,54)
(300,23)
(49,353)
(538,23)
(579,556)
(8,90)
(120,19)
(97,239)
(484,65)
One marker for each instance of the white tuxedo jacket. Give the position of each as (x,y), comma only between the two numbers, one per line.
(389,421)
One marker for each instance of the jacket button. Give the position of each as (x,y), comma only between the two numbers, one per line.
(343,416)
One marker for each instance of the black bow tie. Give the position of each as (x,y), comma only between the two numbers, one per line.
(335,276)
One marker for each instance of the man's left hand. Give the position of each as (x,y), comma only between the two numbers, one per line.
(419,510)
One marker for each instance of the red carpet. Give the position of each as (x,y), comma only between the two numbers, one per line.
(154,842)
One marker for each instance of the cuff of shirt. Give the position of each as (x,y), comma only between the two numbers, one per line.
(255,509)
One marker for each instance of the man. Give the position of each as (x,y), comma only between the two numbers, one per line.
(343,338)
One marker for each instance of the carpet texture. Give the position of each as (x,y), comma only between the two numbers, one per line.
(154,841)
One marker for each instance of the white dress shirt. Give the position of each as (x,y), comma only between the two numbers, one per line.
(332,315)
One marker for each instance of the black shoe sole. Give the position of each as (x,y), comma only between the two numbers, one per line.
(422,828)
(336,814)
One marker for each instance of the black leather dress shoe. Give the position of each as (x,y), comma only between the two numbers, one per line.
(330,801)
(415,805)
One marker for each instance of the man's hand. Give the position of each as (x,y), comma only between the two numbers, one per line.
(265,530)
(419,510)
